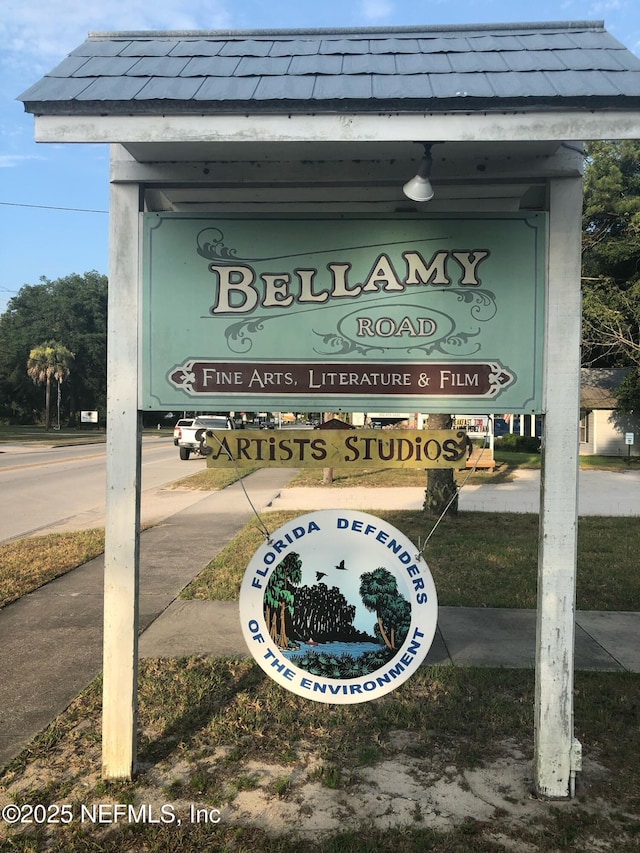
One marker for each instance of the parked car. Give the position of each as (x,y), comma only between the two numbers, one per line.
(192,436)
(177,429)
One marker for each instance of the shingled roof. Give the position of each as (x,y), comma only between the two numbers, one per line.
(599,386)
(491,67)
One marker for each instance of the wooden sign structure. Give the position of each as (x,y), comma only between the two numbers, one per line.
(268,140)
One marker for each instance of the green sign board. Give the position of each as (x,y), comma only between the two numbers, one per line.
(438,314)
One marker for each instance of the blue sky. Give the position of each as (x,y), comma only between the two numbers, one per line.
(54,198)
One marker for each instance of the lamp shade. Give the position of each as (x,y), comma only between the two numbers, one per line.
(419,188)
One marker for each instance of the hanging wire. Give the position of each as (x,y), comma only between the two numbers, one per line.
(261,524)
(487,435)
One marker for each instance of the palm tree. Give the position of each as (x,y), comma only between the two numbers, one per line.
(377,590)
(46,362)
(279,598)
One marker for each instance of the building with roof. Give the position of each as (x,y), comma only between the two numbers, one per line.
(290,124)
(604,429)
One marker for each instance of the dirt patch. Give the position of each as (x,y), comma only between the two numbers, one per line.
(400,791)
(264,785)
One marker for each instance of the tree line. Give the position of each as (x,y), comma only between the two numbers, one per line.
(610,285)
(57,328)
(71,312)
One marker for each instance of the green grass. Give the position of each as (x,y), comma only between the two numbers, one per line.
(38,435)
(375,478)
(85,434)
(517,460)
(476,559)
(507,464)
(210,479)
(27,564)
(533,460)
(610,463)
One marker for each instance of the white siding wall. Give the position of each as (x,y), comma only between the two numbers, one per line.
(606,434)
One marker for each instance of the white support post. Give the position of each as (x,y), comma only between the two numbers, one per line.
(121,564)
(554,745)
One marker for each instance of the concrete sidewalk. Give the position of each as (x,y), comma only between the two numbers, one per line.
(466,636)
(600,493)
(52,639)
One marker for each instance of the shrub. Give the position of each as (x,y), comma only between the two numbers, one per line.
(518,443)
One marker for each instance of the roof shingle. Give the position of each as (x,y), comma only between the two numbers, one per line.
(521,66)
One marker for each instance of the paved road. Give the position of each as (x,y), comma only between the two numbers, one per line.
(64,488)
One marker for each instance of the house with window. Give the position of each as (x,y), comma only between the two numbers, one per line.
(603,430)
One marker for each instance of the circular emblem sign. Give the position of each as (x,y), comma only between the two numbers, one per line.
(338,606)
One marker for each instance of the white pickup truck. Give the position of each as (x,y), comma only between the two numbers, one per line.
(189,433)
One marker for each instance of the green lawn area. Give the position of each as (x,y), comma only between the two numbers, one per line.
(476,559)
(17,434)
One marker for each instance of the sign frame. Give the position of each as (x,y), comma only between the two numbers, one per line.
(428,313)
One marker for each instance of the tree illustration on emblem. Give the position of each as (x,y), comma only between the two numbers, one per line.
(279,598)
(379,593)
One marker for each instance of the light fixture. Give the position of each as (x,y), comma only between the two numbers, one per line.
(419,187)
